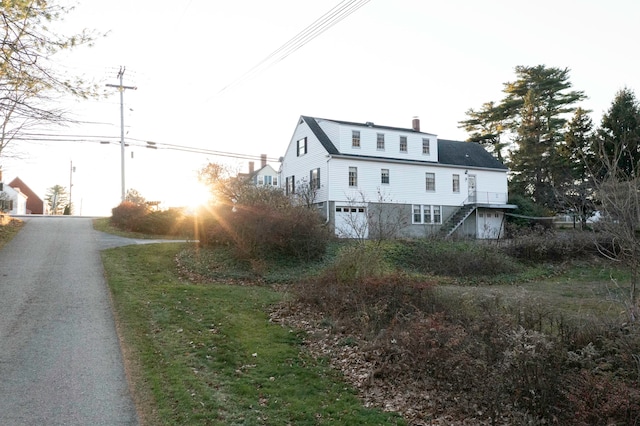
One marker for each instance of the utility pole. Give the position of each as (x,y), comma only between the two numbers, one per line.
(121,88)
(71,170)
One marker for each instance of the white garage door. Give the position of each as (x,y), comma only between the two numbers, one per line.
(351,222)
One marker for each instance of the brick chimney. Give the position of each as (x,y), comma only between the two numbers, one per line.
(263,160)
(251,167)
(416,124)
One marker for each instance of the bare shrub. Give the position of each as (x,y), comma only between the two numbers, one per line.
(266,223)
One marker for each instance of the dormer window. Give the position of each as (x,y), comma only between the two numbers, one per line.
(403,144)
(426,148)
(355,138)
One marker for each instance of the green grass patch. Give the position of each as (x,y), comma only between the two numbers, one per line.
(9,230)
(207,354)
(218,263)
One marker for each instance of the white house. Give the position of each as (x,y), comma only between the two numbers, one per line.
(370,180)
(12,201)
(264,176)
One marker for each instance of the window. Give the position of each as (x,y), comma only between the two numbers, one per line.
(403,144)
(436,217)
(314,178)
(380,141)
(355,138)
(456,183)
(353,176)
(275,181)
(268,180)
(260,180)
(6,205)
(425,146)
(384,176)
(426,214)
(302,147)
(290,185)
(430,181)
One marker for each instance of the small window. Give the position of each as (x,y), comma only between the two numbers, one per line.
(430,181)
(260,180)
(425,146)
(355,138)
(403,144)
(456,183)
(436,214)
(302,147)
(380,141)
(275,181)
(353,176)
(384,176)
(417,214)
(314,179)
(268,180)
(290,185)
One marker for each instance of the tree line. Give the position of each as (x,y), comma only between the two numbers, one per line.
(557,157)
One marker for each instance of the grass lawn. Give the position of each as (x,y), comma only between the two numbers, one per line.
(207,354)
(9,230)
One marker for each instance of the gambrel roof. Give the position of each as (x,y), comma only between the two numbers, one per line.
(454,153)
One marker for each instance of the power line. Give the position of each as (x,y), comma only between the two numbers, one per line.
(320,25)
(133,142)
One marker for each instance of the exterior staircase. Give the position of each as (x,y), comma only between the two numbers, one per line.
(456,219)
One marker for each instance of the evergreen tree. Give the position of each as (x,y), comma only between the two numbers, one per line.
(576,162)
(56,198)
(619,136)
(538,103)
(531,120)
(486,127)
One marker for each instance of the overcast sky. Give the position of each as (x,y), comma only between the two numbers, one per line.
(201,80)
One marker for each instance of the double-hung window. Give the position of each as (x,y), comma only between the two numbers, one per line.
(355,138)
(302,147)
(380,141)
(314,178)
(456,183)
(430,181)
(384,176)
(425,146)
(353,176)
(403,144)
(290,185)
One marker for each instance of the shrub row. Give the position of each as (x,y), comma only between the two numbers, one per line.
(134,217)
(492,358)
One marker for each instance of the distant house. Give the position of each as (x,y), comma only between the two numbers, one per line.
(12,200)
(35,205)
(264,176)
(370,179)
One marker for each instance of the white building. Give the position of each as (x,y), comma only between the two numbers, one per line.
(264,176)
(12,201)
(372,181)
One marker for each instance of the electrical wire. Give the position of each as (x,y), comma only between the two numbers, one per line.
(319,26)
(133,142)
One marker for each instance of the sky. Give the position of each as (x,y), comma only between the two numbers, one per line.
(205,79)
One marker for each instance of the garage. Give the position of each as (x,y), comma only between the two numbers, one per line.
(351,222)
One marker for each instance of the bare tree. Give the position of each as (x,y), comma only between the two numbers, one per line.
(617,184)
(28,77)
(379,220)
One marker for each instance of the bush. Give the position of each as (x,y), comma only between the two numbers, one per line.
(448,258)
(554,246)
(128,215)
(266,224)
(166,222)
